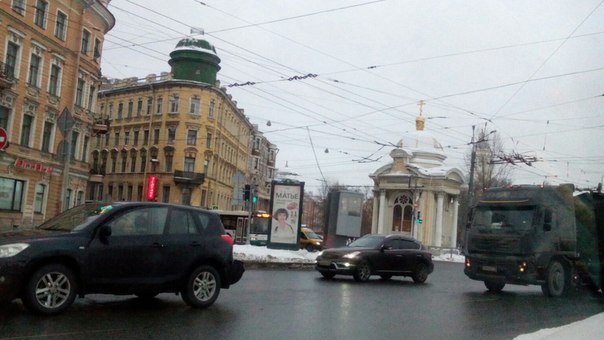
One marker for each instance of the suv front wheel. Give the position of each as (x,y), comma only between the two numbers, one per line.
(202,287)
(50,290)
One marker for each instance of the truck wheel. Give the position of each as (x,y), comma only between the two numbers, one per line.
(363,272)
(202,287)
(556,280)
(50,290)
(494,286)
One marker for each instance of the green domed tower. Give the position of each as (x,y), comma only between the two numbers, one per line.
(195,59)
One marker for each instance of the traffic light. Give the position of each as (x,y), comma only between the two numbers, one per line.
(254,198)
(246,192)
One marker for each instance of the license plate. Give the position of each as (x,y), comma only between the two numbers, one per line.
(489,268)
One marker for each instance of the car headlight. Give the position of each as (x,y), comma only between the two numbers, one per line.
(317,243)
(13,249)
(352,255)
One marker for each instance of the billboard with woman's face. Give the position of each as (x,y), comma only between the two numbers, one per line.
(286,209)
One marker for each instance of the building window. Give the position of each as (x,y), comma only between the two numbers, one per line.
(85,149)
(206,165)
(126,137)
(39,199)
(195,106)
(4,114)
(41,13)
(91,97)
(47,136)
(139,108)
(171,135)
(79,197)
(85,41)
(117,138)
(149,105)
(146,137)
(174,101)
(61,25)
(160,103)
(124,162)
(34,70)
(11,194)
(107,139)
(166,194)
(211,110)
(209,140)
(120,110)
(143,161)
(74,144)
(97,49)
(169,157)
(156,136)
(26,129)
(80,92)
(54,84)
(130,109)
(12,59)
(135,142)
(19,6)
(110,111)
(402,214)
(133,162)
(113,167)
(189,164)
(192,137)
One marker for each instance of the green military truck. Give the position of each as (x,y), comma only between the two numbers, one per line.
(552,236)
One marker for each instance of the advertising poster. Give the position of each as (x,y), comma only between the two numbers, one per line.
(286,209)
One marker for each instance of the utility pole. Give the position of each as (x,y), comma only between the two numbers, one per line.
(472,161)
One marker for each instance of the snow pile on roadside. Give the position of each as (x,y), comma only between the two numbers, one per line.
(249,253)
(590,328)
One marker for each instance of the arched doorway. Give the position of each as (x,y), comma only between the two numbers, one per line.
(402,214)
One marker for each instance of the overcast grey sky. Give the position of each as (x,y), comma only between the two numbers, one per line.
(531,70)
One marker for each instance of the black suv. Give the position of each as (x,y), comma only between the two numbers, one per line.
(118,248)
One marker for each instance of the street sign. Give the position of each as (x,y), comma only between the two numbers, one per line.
(3,139)
(65,121)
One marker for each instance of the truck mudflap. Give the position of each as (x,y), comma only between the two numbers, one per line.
(235,272)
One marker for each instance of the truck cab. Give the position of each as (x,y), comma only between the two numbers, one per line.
(543,235)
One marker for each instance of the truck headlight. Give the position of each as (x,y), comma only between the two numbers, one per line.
(8,250)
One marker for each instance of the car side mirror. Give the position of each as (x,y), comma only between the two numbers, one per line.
(385,247)
(104,233)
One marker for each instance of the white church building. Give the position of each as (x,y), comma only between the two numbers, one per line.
(417,194)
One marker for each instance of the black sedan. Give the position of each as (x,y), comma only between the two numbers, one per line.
(383,255)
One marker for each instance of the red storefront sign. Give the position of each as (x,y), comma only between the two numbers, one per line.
(151,188)
(31,165)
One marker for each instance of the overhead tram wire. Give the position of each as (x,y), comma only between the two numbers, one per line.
(545,61)
(285,66)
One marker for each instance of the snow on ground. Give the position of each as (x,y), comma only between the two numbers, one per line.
(249,253)
(590,328)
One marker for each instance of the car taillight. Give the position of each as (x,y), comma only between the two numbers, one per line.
(228,239)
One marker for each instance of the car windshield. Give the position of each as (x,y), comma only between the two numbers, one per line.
(367,241)
(506,219)
(312,235)
(76,218)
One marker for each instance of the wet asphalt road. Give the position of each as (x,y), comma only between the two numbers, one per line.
(298,304)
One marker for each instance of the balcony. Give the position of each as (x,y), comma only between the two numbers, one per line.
(96,175)
(188,177)
(7,77)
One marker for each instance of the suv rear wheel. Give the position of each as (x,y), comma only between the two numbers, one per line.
(202,287)
(50,290)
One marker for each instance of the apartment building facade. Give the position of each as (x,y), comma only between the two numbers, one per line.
(49,79)
(176,137)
